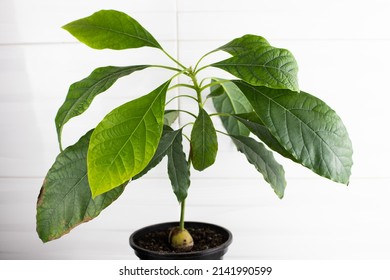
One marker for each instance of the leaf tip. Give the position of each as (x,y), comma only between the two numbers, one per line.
(94,194)
(66,27)
(43,239)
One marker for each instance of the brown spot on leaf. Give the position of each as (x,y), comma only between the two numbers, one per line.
(41,194)
(54,237)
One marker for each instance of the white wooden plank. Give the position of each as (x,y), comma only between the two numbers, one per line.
(24,21)
(315,220)
(47,71)
(283,19)
(277,6)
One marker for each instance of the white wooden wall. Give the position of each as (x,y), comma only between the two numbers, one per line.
(342,48)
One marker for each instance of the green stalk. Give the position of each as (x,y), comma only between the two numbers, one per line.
(213,83)
(182,212)
(179,96)
(174,60)
(197,88)
(167,67)
(183,203)
(197,64)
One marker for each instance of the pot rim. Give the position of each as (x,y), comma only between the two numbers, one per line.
(206,252)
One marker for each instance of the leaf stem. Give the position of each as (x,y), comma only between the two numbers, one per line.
(213,83)
(202,68)
(181,85)
(178,96)
(185,136)
(190,123)
(224,133)
(197,88)
(187,112)
(182,212)
(174,60)
(60,140)
(167,67)
(197,64)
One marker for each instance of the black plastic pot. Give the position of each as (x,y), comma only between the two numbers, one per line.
(215,253)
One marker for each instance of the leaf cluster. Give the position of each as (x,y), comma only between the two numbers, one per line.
(263,111)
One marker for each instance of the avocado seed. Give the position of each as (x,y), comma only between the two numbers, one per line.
(180,240)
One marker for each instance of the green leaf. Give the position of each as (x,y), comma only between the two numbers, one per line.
(264,162)
(244,44)
(178,169)
(232,101)
(170,116)
(215,91)
(125,141)
(264,66)
(166,141)
(204,142)
(65,199)
(110,29)
(306,127)
(257,128)
(81,93)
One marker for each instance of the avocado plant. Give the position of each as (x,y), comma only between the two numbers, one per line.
(262,111)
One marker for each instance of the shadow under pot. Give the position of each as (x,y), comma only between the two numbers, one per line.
(211,242)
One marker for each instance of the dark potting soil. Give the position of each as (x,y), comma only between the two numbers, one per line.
(204,238)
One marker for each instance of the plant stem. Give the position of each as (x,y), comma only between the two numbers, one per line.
(224,133)
(179,96)
(187,112)
(200,69)
(181,85)
(197,88)
(213,84)
(174,60)
(197,64)
(167,67)
(182,212)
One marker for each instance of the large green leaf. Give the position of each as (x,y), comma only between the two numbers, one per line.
(166,141)
(204,142)
(244,44)
(306,127)
(264,162)
(231,101)
(125,141)
(264,66)
(81,93)
(110,29)
(65,199)
(178,169)
(254,124)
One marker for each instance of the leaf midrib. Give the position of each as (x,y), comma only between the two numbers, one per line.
(131,135)
(255,65)
(300,121)
(230,99)
(264,162)
(203,120)
(65,195)
(118,32)
(90,89)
